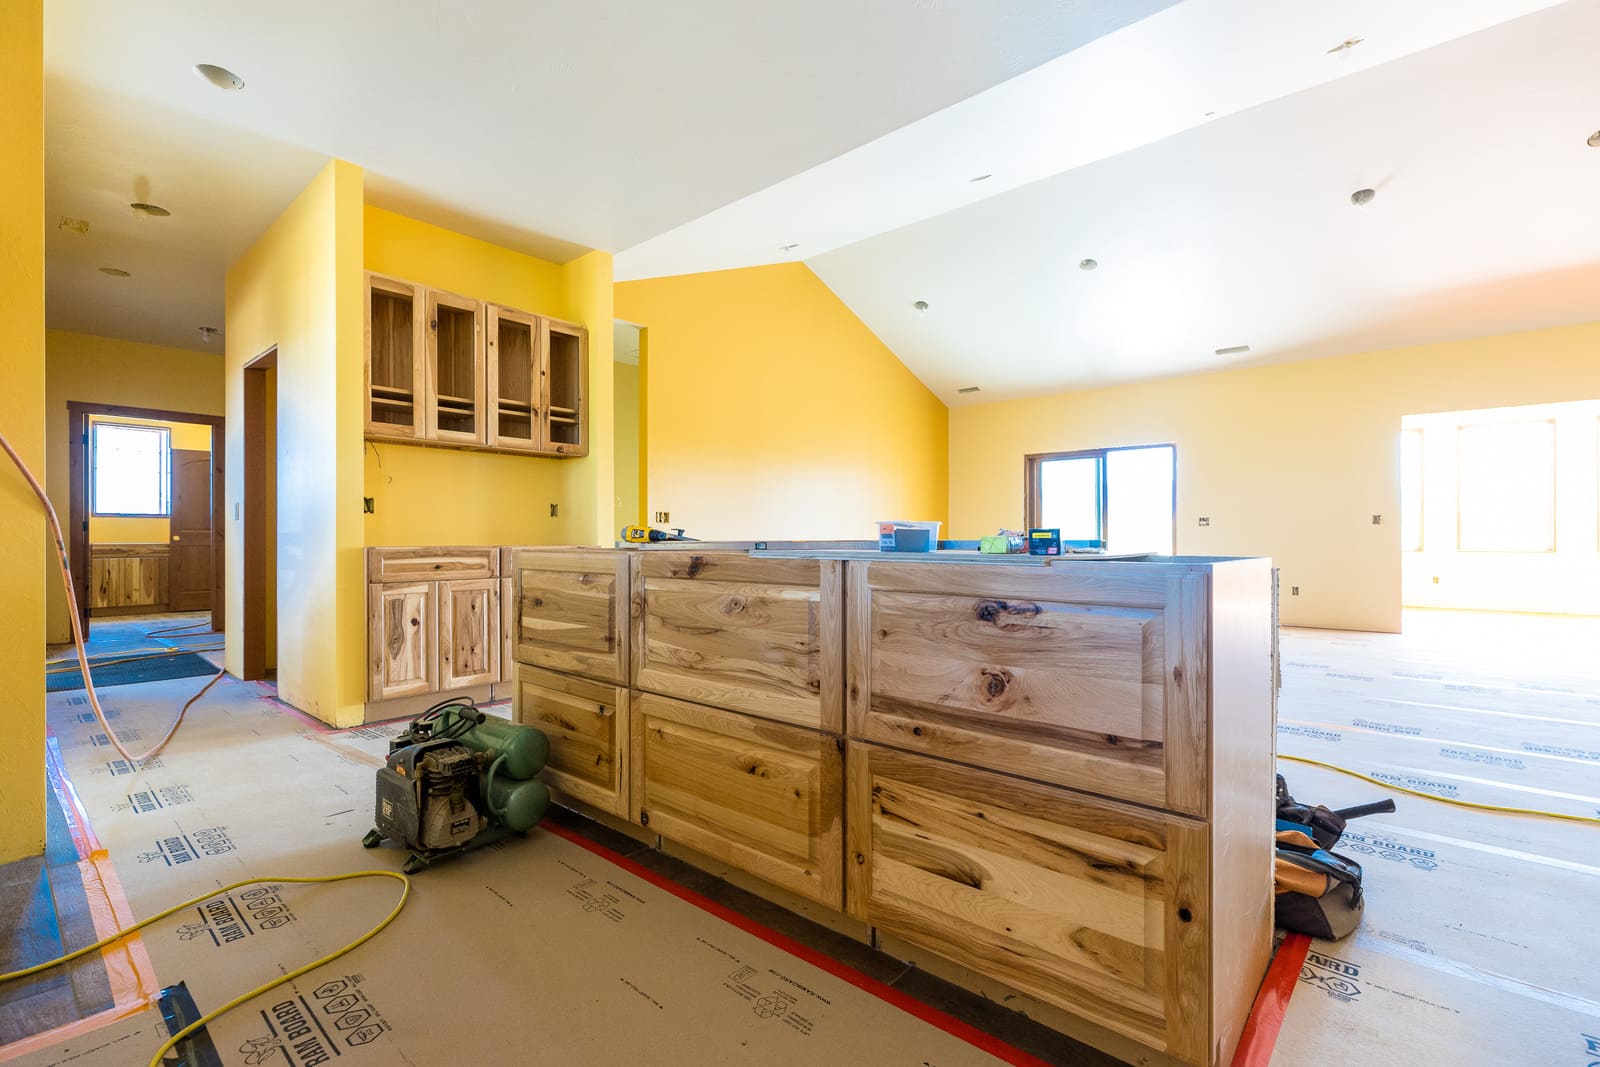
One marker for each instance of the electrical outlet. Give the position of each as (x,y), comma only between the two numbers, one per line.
(1205,520)
(663,517)
(1377,520)
(555,510)
(1294,590)
(1435,579)
(368,506)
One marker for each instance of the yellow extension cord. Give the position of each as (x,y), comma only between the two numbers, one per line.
(212,1016)
(1443,800)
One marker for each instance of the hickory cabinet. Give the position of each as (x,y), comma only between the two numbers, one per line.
(434,621)
(451,370)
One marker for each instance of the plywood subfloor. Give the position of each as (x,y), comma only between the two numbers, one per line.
(1479,941)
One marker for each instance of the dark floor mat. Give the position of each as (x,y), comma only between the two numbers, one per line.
(181,665)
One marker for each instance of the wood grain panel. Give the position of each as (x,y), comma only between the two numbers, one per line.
(1094,906)
(430,563)
(572,611)
(587,724)
(469,632)
(402,651)
(762,796)
(128,576)
(760,636)
(1000,674)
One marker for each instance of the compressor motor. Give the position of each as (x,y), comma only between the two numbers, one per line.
(456,779)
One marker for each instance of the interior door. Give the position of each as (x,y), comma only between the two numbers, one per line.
(190,568)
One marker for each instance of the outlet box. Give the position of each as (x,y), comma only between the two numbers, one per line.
(1205,520)
(1377,520)
(1294,590)
(368,506)
(663,517)
(555,510)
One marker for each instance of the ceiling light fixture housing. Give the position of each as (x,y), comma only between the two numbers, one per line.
(1088,264)
(981,178)
(968,389)
(221,77)
(1236,350)
(1594,139)
(921,305)
(115,272)
(788,248)
(209,333)
(155,211)
(1363,197)
(74,225)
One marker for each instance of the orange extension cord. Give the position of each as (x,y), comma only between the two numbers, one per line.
(77,627)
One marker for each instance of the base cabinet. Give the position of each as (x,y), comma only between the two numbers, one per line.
(587,725)
(1094,906)
(434,621)
(762,796)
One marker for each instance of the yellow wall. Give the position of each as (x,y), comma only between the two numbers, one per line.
(773,412)
(625,382)
(101,370)
(121,530)
(430,496)
(299,289)
(1289,461)
(22,540)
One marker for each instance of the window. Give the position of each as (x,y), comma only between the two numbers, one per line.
(129,469)
(1121,498)
(1411,490)
(1507,485)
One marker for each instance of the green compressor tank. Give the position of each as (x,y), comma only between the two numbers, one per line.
(524,748)
(518,805)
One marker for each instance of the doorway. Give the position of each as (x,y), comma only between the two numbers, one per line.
(628,374)
(259,518)
(122,527)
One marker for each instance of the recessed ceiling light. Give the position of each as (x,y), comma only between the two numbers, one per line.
(115,272)
(1363,197)
(155,211)
(209,333)
(788,248)
(921,305)
(1234,351)
(968,389)
(1346,44)
(75,225)
(221,77)
(1594,139)
(981,178)
(1088,264)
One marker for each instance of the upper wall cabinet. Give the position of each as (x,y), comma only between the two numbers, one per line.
(450,370)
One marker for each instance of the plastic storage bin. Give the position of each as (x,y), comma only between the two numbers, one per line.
(901,535)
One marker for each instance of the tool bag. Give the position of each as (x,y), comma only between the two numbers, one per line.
(1318,892)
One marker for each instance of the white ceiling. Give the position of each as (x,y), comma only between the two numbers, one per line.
(550,127)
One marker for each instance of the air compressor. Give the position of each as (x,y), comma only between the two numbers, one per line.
(458,779)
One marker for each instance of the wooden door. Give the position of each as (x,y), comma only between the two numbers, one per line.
(763,796)
(1096,907)
(572,612)
(469,632)
(1090,675)
(455,369)
(402,640)
(587,724)
(189,561)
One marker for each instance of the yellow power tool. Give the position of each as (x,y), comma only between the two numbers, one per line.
(643,535)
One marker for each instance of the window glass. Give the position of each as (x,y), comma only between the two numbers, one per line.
(1507,476)
(1139,499)
(130,469)
(1069,497)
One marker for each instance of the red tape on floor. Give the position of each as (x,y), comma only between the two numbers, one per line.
(932,1016)
(1272,1003)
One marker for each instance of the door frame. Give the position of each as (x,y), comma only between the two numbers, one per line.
(78,413)
(253,627)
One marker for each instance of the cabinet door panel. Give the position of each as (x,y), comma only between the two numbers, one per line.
(587,724)
(572,611)
(1096,907)
(455,369)
(564,388)
(762,796)
(762,636)
(1053,676)
(469,633)
(395,341)
(402,640)
(513,389)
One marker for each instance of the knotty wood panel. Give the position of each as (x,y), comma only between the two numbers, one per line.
(1096,907)
(403,628)
(587,724)
(1019,670)
(572,612)
(469,632)
(432,562)
(762,796)
(127,576)
(762,636)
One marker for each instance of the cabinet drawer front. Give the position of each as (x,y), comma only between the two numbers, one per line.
(587,724)
(402,651)
(432,563)
(572,612)
(761,796)
(1097,907)
(762,636)
(1064,679)
(469,632)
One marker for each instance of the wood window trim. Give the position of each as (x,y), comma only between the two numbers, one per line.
(1033,461)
